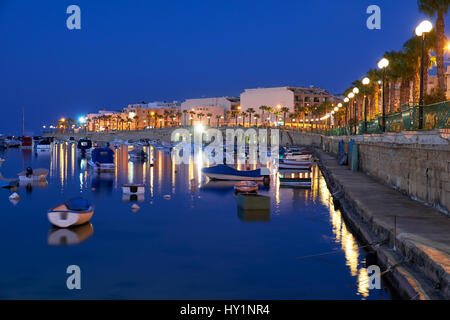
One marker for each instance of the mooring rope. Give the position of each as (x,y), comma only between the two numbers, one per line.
(377,243)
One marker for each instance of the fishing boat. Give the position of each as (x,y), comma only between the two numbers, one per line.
(133,188)
(297,156)
(138,153)
(30,175)
(27,142)
(224,172)
(251,201)
(102,159)
(84,144)
(300,179)
(71,213)
(44,145)
(12,143)
(246,187)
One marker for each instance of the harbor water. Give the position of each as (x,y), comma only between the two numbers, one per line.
(187,239)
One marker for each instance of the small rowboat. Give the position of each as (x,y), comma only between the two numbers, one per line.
(133,189)
(102,160)
(246,187)
(71,213)
(30,175)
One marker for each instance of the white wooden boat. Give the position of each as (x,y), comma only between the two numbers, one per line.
(290,164)
(304,157)
(71,213)
(133,189)
(43,145)
(246,187)
(30,175)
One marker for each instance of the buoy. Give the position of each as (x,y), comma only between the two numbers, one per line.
(167,196)
(14,196)
(135,207)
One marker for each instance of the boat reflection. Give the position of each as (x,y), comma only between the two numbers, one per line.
(133,197)
(254,215)
(102,183)
(69,236)
(218,186)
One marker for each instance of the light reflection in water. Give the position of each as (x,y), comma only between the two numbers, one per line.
(130,170)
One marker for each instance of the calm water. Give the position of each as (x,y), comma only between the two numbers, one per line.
(195,245)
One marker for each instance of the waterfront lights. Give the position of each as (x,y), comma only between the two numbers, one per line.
(339,105)
(336,109)
(199,128)
(346,99)
(365,81)
(424,27)
(62,120)
(355,90)
(82,120)
(132,115)
(351,95)
(278,106)
(383,63)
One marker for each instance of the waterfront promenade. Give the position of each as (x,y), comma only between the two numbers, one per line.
(419,234)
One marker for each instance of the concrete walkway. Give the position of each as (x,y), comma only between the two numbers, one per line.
(421,235)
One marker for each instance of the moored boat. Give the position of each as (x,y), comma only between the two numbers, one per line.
(133,189)
(300,179)
(43,145)
(71,213)
(30,175)
(138,153)
(27,142)
(223,172)
(253,201)
(292,164)
(102,159)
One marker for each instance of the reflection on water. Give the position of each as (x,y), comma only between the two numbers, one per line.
(198,233)
(69,236)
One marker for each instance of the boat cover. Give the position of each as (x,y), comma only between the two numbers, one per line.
(78,204)
(103,155)
(223,169)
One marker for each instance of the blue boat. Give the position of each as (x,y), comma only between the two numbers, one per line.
(223,172)
(102,159)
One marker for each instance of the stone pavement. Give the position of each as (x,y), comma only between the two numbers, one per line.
(421,235)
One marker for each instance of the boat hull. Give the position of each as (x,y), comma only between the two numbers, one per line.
(218,176)
(133,189)
(37,175)
(62,217)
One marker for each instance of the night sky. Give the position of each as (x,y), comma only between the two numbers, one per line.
(129,51)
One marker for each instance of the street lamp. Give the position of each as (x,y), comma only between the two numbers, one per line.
(423,28)
(382,65)
(365,81)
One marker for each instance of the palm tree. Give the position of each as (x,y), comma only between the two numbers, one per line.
(256,116)
(218,119)
(250,111)
(185,117)
(200,116)
(438,8)
(192,114)
(270,111)
(209,115)
(166,115)
(136,123)
(178,114)
(263,108)
(229,115)
(284,111)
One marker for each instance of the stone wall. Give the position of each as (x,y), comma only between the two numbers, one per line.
(415,163)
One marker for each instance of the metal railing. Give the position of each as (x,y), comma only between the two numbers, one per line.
(435,116)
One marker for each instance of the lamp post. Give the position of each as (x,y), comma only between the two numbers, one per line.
(355,91)
(350,96)
(365,81)
(423,28)
(382,65)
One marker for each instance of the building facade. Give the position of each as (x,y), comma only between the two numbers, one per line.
(198,110)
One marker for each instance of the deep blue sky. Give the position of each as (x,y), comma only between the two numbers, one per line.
(129,51)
